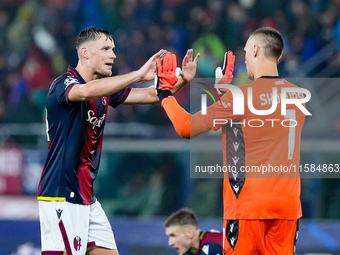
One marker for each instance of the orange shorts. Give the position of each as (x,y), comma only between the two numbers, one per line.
(262,237)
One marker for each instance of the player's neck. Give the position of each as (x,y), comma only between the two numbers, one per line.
(266,69)
(195,244)
(85,73)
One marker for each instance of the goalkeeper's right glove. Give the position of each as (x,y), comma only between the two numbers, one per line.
(165,75)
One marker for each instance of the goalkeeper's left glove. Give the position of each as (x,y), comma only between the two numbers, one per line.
(225,75)
(166,75)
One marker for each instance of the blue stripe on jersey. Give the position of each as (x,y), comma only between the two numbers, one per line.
(75,131)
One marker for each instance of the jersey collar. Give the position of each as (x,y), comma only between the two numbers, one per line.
(270,77)
(74,72)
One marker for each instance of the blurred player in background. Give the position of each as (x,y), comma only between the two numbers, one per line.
(72,220)
(187,238)
(260,214)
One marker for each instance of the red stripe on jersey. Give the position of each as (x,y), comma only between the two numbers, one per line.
(211,237)
(100,143)
(84,173)
(92,143)
(64,74)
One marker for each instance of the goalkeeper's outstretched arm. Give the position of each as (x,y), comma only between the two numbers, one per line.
(186,125)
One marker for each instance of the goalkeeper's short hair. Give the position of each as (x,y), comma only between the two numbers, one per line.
(272,41)
(182,217)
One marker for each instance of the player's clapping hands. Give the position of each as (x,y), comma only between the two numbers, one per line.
(147,71)
(189,66)
(167,72)
(165,75)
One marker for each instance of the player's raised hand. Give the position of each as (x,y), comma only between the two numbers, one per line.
(189,66)
(147,71)
(225,75)
(166,72)
(165,75)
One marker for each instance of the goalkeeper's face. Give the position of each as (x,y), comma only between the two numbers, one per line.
(180,238)
(101,56)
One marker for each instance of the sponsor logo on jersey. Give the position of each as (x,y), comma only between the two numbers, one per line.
(96,122)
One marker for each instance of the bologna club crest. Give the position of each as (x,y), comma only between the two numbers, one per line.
(77,243)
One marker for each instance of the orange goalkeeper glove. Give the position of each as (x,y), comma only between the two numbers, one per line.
(165,75)
(225,75)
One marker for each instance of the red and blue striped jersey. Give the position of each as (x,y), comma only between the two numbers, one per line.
(211,243)
(75,137)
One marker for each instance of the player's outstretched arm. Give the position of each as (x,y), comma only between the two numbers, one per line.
(108,86)
(148,95)
(186,125)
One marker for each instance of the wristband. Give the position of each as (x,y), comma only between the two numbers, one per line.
(163,94)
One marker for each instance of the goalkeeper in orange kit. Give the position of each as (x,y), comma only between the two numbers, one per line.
(260,214)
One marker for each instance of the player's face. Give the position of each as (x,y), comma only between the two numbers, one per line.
(102,56)
(179,238)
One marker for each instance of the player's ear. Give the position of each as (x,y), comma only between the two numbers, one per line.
(280,58)
(256,50)
(190,231)
(84,52)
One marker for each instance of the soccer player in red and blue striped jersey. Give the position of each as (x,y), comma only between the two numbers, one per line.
(72,220)
(187,238)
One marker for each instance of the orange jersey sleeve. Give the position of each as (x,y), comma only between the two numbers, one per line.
(182,120)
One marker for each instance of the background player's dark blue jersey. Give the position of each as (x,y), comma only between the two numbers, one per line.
(211,243)
(75,135)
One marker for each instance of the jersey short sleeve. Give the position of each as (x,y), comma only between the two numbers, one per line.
(119,97)
(62,86)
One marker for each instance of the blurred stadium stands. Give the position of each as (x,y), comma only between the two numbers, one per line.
(37,44)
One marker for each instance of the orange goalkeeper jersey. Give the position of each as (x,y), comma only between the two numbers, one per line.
(262,152)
